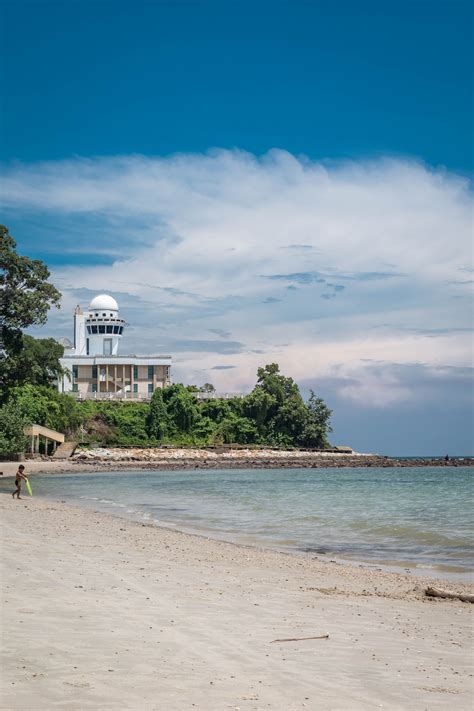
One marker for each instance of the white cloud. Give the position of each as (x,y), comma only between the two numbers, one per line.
(343,262)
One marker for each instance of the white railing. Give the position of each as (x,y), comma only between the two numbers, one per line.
(217,396)
(112,396)
(146,397)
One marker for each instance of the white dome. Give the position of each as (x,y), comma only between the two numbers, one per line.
(103,301)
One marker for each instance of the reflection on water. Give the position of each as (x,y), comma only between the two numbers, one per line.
(418,516)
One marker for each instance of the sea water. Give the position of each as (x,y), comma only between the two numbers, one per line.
(416,517)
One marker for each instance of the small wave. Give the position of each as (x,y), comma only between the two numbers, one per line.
(410,533)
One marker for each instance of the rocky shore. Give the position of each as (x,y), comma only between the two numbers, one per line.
(123,458)
(221,458)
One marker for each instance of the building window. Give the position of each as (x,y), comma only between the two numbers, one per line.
(150,372)
(110,329)
(150,387)
(94,387)
(94,372)
(74,388)
(107,346)
(120,330)
(94,329)
(135,372)
(87,346)
(101,329)
(104,314)
(116,329)
(135,387)
(75,370)
(89,330)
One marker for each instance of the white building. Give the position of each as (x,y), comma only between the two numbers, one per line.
(95,368)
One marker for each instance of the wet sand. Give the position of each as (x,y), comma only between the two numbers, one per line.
(102,613)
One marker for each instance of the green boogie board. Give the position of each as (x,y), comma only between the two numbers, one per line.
(28,487)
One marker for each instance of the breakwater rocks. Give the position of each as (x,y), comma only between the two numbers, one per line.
(229,458)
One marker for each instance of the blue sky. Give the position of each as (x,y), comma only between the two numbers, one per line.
(326,79)
(255,182)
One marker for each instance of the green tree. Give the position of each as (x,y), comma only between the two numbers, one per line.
(217,410)
(235,429)
(258,405)
(36,362)
(43,405)
(182,408)
(316,426)
(157,424)
(286,426)
(128,421)
(12,424)
(26,297)
(276,385)
(276,406)
(204,431)
(207,388)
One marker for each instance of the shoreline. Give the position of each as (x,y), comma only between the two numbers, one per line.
(136,616)
(451,574)
(127,458)
(419,582)
(444,574)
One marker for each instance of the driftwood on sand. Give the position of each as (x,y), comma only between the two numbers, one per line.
(438,592)
(299,639)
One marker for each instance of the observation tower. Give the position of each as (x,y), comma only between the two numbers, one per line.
(96,368)
(99,330)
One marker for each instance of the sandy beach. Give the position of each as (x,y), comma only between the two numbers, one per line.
(103,613)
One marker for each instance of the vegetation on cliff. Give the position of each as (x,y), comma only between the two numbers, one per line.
(274,413)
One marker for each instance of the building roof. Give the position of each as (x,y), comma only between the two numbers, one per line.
(103,301)
(115,359)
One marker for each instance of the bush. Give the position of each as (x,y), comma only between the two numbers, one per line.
(157,420)
(43,405)
(12,424)
(114,422)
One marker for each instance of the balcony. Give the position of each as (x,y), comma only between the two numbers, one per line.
(135,397)
(146,397)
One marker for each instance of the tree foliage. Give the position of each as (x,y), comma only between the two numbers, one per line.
(157,421)
(12,424)
(277,407)
(36,361)
(235,429)
(26,297)
(274,413)
(316,426)
(43,405)
(207,388)
(27,293)
(182,408)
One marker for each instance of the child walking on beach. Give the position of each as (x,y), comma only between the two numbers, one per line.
(19,476)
